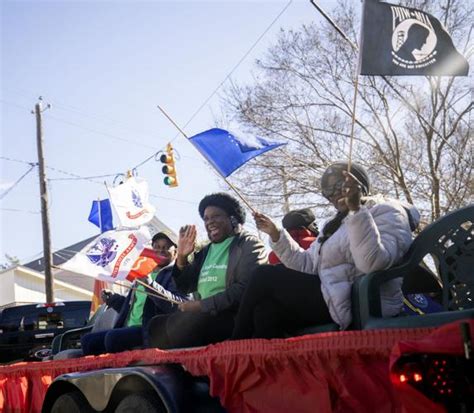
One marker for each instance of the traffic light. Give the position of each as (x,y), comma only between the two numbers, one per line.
(169,169)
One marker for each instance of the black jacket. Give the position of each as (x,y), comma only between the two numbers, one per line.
(246,252)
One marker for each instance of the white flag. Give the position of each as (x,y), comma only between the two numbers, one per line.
(130,201)
(110,256)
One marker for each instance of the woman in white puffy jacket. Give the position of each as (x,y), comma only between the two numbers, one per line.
(314,286)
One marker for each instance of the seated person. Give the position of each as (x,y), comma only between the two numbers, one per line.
(218,275)
(366,234)
(137,309)
(301,225)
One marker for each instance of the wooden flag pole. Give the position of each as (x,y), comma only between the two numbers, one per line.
(356,89)
(238,193)
(155,293)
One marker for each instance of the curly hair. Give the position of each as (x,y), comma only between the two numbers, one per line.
(225,202)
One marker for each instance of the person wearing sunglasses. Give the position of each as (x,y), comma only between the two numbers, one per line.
(367,233)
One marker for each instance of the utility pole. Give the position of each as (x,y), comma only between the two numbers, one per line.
(47,256)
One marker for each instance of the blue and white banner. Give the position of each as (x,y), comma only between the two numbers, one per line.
(227,151)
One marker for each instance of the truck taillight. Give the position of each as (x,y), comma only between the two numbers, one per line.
(444,379)
(47,305)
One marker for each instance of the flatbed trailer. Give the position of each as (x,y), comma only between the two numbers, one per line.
(399,364)
(349,371)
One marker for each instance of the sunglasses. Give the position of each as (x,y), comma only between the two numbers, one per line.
(331,190)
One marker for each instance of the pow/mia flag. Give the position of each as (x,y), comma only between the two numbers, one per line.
(400,40)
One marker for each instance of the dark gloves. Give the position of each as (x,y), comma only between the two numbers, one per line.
(112,299)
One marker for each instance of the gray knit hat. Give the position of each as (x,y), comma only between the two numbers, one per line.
(336,169)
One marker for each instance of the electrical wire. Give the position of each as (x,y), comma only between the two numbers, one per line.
(153,156)
(235,67)
(227,76)
(19,210)
(99,132)
(15,160)
(5,193)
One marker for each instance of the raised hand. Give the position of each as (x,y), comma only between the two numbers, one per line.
(352,191)
(186,243)
(266,225)
(191,306)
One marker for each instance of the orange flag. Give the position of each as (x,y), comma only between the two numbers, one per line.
(144,265)
(96,300)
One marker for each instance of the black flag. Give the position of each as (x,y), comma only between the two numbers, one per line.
(400,40)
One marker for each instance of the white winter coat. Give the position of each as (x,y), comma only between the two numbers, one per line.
(373,238)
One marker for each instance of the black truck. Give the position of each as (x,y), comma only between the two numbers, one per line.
(26,330)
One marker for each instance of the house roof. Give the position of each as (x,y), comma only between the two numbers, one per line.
(60,256)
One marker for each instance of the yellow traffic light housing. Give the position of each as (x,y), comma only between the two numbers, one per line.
(169,169)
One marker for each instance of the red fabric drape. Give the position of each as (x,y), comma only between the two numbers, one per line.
(339,371)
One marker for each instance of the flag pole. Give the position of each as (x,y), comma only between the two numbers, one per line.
(239,194)
(155,292)
(351,141)
(100,216)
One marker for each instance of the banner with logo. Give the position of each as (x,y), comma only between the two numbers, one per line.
(111,256)
(130,201)
(398,40)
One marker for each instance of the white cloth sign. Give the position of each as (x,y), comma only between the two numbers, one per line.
(130,201)
(110,256)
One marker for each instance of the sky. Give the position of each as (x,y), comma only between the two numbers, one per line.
(104,66)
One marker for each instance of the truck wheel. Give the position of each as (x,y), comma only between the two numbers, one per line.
(143,402)
(72,402)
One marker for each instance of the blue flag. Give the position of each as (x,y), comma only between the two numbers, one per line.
(104,222)
(227,152)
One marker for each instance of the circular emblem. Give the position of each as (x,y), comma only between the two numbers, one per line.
(413,44)
(102,252)
(419,300)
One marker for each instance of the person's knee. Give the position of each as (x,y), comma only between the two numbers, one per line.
(156,332)
(262,277)
(112,343)
(267,320)
(92,343)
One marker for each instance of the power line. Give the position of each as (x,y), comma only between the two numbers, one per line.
(79,178)
(235,67)
(15,160)
(17,181)
(100,133)
(73,175)
(19,210)
(174,199)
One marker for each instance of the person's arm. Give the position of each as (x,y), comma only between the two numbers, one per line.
(285,247)
(112,299)
(378,237)
(186,274)
(295,257)
(252,254)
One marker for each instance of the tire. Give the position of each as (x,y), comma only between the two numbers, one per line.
(72,402)
(142,402)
